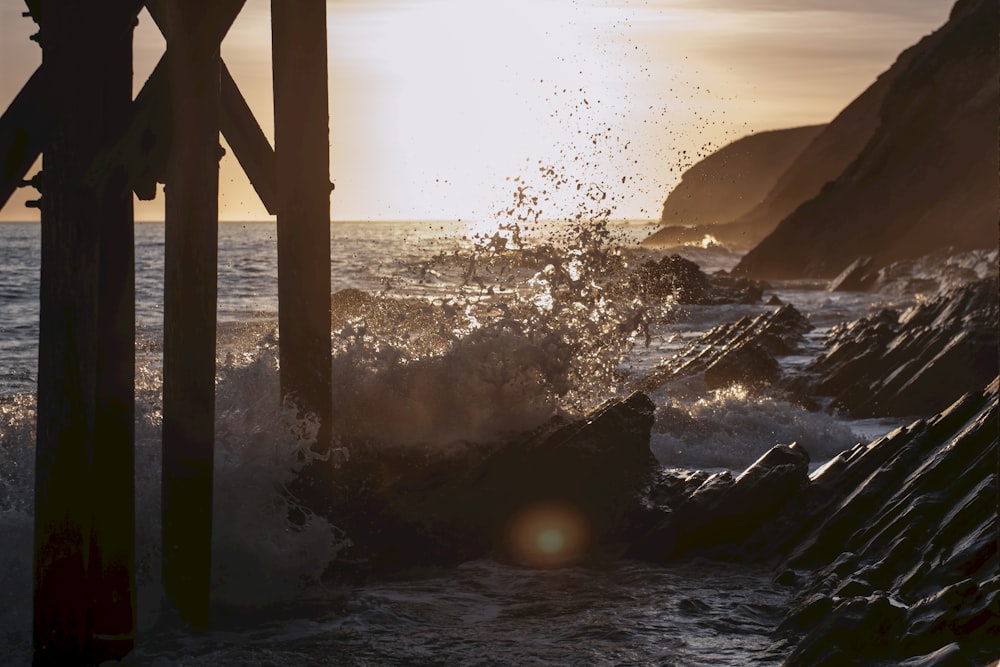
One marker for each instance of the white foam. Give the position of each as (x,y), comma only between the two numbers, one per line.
(732,428)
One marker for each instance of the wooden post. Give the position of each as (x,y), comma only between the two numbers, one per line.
(84,565)
(302,156)
(190,308)
(111,567)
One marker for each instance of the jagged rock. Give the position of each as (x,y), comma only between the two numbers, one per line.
(672,277)
(742,351)
(404,506)
(683,281)
(856,277)
(746,364)
(915,363)
(895,553)
(728,288)
(719,516)
(893,545)
(936,272)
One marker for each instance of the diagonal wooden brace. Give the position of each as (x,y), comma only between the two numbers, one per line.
(25,128)
(27,124)
(237,122)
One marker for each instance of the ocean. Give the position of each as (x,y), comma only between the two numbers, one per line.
(479,331)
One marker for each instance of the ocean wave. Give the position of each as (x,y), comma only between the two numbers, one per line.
(732,427)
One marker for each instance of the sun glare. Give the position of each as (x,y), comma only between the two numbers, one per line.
(548,535)
(477,92)
(550,541)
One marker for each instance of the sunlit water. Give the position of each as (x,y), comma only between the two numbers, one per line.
(502,343)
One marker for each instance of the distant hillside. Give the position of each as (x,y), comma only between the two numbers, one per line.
(925,179)
(831,150)
(729,183)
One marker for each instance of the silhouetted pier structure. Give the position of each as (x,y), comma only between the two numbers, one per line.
(98,146)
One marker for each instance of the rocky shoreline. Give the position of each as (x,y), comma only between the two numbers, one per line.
(890,548)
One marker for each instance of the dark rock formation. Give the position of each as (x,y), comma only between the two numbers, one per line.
(926,178)
(719,516)
(895,554)
(892,546)
(915,363)
(857,277)
(405,506)
(740,352)
(683,281)
(727,184)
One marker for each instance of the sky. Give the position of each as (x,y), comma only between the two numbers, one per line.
(442,109)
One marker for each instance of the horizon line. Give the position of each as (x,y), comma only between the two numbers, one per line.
(334,221)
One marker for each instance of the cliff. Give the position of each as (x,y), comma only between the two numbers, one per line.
(925,179)
(728,184)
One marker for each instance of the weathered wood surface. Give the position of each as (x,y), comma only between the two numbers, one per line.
(189,309)
(301,117)
(143,140)
(84,595)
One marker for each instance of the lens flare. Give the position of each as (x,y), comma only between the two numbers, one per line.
(547,535)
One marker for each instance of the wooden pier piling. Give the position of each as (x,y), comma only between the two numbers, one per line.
(99,146)
(84,601)
(189,309)
(301,119)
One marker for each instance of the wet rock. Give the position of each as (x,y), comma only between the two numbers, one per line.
(948,656)
(894,547)
(719,517)
(405,506)
(683,281)
(858,276)
(856,631)
(741,352)
(936,272)
(747,364)
(916,363)
(672,277)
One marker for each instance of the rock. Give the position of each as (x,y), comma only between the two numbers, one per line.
(405,506)
(682,281)
(741,352)
(936,272)
(915,363)
(947,656)
(858,276)
(858,631)
(746,364)
(673,277)
(720,515)
(894,547)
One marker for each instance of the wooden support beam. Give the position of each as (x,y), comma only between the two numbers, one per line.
(248,142)
(27,124)
(190,293)
(84,595)
(302,153)
(238,125)
(111,564)
(142,147)
(25,128)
